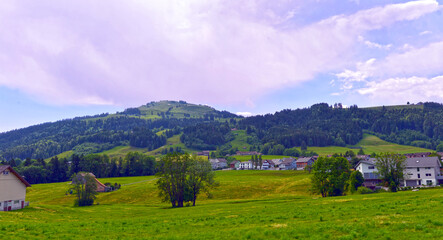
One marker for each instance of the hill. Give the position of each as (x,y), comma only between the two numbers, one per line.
(134,127)
(247,205)
(166,126)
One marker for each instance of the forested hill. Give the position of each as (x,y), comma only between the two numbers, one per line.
(322,125)
(199,127)
(138,127)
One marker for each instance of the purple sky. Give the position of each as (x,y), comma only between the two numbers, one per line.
(61,59)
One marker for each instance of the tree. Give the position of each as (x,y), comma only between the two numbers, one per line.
(200,179)
(440,147)
(355,180)
(303,146)
(361,152)
(182,178)
(390,168)
(330,176)
(85,187)
(172,173)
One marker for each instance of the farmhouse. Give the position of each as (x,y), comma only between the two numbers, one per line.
(303,162)
(100,186)
(12,189)
(234,164)
(288,164)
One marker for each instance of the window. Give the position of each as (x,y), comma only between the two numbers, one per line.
(0,204)
(418,175)
(428,174)
(16,201)
(5,172)
(429,182)
(427,168)
(371,167)
(418,169)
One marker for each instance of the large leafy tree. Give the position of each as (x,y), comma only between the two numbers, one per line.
(182,177)
(330,176)
(390,167)
(85,188)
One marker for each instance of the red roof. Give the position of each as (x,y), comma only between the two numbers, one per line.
(7,167)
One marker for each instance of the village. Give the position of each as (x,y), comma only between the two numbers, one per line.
(422,169)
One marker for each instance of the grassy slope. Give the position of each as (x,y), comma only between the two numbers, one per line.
(247,205)
(370,144)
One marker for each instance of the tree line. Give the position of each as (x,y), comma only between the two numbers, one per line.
(60,170)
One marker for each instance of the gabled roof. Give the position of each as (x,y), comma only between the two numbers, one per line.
(304,160)
(7,167)
(423,162)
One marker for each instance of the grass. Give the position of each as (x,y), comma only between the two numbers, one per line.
(370,144)
(240,140)
(247,205)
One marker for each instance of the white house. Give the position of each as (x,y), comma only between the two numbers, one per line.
(419,171)
(218,163)
(245,165)
(369,172)
(422,171)
(267,164)
(12,189)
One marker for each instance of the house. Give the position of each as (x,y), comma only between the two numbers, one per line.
(369,172)
(416,155)
(203,153)
(100,186)
(267,164)
(422,171)
(12,189)
(363,157)
(240,153)
(234,164)
(419,171)
(218,163)
(277,162)
(288,164)
(303,162)
(245,165)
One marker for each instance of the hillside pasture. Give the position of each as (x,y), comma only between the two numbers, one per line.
(247,205)
(369,144)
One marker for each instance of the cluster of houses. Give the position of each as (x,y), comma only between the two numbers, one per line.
(274,164)
(420,171)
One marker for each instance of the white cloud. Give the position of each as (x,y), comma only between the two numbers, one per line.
(113,52)
(245,114)
(401,90)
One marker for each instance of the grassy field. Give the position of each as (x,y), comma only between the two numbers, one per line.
(240,140)
(247,205)
(370,144)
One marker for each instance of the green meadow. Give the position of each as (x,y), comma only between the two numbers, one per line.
(370,144)
(247,205)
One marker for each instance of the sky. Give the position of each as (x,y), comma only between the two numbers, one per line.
(62,59)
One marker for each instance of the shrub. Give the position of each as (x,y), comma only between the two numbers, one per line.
(364,190)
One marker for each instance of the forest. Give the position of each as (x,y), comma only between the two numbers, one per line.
(320,125)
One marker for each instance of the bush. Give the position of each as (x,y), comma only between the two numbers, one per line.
(364,190)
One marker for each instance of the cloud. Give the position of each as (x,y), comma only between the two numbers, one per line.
(413,75)
(127,53)
(245,114)
(402,90)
